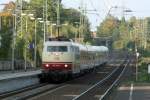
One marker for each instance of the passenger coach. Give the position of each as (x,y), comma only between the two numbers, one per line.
(63,59)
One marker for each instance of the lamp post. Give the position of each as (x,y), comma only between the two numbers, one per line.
(136,52)
(124,10)
(35,48)
(26,32)
(32,18)
(35,37)
(137,55)
(45,24)
(13,38)
(136,63)
(52,29)
(77,23)
(0,23)
(0,41)
(58,17)
(14,42)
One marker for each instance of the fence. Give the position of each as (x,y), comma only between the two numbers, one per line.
(18,65)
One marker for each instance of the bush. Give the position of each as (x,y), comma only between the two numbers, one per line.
(143,75)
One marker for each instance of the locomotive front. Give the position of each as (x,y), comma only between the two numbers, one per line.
(57,60)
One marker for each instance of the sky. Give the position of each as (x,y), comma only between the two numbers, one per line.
(140,8)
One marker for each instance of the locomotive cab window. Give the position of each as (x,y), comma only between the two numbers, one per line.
(57,49)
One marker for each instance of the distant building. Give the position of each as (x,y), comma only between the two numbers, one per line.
(104,41)
(9,6)
(94,34)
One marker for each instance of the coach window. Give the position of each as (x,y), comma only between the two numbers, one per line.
(73,49)
(62,49)
(77,49)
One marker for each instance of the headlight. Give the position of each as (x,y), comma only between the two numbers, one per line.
(47,65)
(66,65)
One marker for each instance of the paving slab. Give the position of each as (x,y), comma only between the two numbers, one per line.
(18,74)
(133,92)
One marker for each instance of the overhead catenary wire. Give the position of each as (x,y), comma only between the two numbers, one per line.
(105,4)
(94,9)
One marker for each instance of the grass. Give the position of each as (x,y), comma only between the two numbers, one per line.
(143,75)
(143,61)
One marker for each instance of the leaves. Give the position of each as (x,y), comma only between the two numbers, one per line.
(71,17)
(107,27)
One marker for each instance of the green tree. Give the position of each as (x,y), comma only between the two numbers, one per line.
(6,33)
(108,26)
(69,16)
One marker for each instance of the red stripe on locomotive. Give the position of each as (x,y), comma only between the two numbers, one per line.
(57,66)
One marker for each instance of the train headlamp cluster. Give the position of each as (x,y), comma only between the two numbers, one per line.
(56,65)
(66,65)
(47,65)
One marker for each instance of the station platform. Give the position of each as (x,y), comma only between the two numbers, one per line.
(10,81)
(7,75)
(133,92)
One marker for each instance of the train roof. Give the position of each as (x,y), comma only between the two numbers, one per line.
(103,48)
(93,48)
(81,47)
(65,43)
(90,48)
(55,43)
(99,48)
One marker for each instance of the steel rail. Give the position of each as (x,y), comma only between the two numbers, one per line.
(100,82)
(10,93)
(114,83)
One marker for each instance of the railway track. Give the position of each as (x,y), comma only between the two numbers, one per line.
(79,88)
(82,88)
(29,92)
(103,87)
(10,93)
(114,83)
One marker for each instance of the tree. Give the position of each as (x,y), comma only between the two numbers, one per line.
(108,26)
(69,16)
(6,32)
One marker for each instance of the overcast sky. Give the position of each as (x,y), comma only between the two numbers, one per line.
(140,8)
